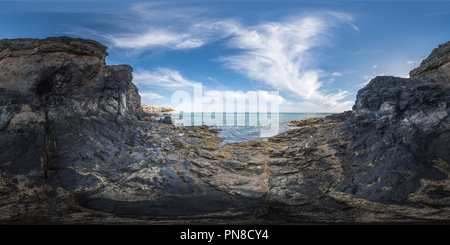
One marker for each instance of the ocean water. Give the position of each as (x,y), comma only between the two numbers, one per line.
(237,127)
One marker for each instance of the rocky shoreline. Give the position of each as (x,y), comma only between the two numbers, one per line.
(76,147)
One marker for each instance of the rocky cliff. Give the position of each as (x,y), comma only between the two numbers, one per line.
(76,146)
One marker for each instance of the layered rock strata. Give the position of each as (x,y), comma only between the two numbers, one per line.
(76,147)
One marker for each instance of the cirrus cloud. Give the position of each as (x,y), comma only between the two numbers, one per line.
(278,54)
(162,78)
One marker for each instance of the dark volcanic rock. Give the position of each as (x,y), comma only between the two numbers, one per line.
(34,46)
(437,62)
(167,119)
(60,105)
(76,146)
(71,123)
(401,125)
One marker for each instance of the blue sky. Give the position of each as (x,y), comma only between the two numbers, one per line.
(317,54)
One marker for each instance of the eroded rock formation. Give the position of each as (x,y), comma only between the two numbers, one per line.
(76,146)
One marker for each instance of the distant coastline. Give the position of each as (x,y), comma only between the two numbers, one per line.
(158,110)
(165,112)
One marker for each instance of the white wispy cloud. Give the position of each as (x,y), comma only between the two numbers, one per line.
(162,78)
(154,37)
(192,36)
(150,98)
(150,95)
(277,54)
(212,79)
(346,19)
